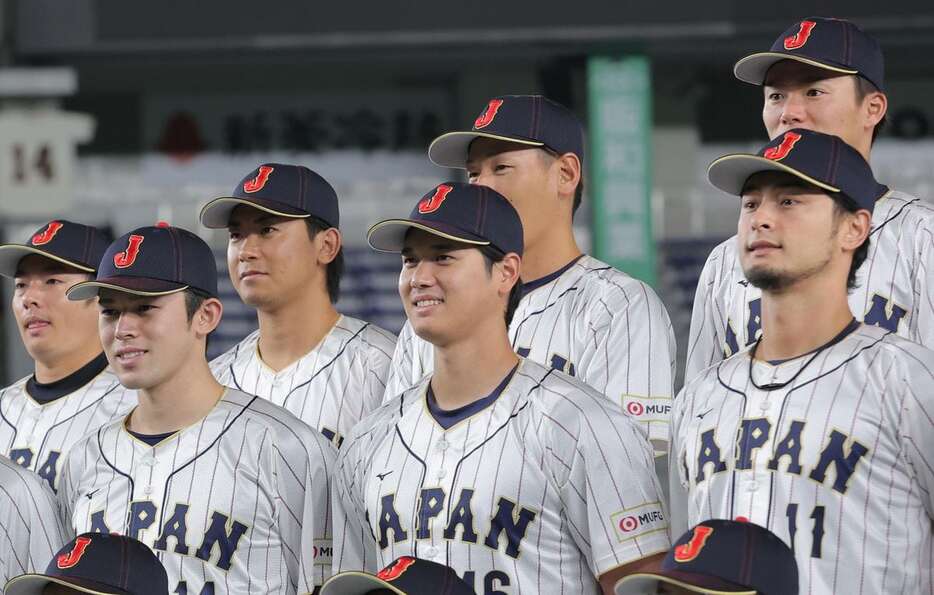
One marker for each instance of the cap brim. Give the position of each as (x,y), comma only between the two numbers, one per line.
(730,172)
(216,214)
(754,68)
(450,149)
(355,583)
(132,285)
(33,584)
(389,235)
(11,254)
(640,583)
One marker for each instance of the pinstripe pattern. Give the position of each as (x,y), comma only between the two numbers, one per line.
(607,328)
(874,513)
(30,526)
(330,388)
(40,433)
(250,461)
(549,446)
(899,269)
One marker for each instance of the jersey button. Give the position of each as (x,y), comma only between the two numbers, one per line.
(443,444)
(764,405)
(431,552)
(147,491)
(752,486)
(441,473)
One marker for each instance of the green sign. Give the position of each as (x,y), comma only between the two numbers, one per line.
(620,125)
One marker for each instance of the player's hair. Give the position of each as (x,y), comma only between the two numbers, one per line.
(335,268)
(578,192)
(864,88)
(490,256)
(193,301)
(844,204)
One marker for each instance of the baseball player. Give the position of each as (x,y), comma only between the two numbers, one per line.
(96,563)
(229,490)
(577,314)
(824,75)
(71,391)
(284,257)
(519,477)
(719,557)
(30,525)
(823,430)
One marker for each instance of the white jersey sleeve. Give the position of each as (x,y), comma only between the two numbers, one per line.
(31,530)
(708,316)
(915,377)
(626,351)
(613,522)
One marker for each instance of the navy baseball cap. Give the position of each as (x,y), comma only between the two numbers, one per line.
(153,261)
(530,120)
(98,563)
(721,556)
(78,246)
(467,213)
(820,159)
(292,191)
(832,44)
(405,576)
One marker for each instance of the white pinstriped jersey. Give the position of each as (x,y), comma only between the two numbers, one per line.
(592,322)
(236,503)
(30,526)
(38,436)
(330,388)
(895,286)
(549,485)
(839,463)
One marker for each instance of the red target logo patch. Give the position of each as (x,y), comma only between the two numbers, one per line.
(634,408)
(628,524)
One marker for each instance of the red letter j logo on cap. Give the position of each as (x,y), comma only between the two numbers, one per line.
(793,42)
(430,205)
(688,551)
(74,556)
(484,119)
(259,181)
(47,234)
(781,151)
(126,258)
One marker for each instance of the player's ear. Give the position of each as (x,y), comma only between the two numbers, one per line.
(854,229)
(569,174)
(508,271)
(208,316)
(875,105)
(328,243)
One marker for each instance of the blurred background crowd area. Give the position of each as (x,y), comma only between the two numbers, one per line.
(120,114)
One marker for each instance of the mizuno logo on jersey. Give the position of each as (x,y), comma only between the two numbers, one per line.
(218,544)
(506,527)
(840,453)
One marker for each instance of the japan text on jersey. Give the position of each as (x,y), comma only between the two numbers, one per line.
(236,503)
(895,286)
(331,388)
(549,484)
(592,322)
(837,462)
(37,436)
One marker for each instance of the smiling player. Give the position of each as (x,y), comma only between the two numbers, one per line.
(70,391)
(228,489)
